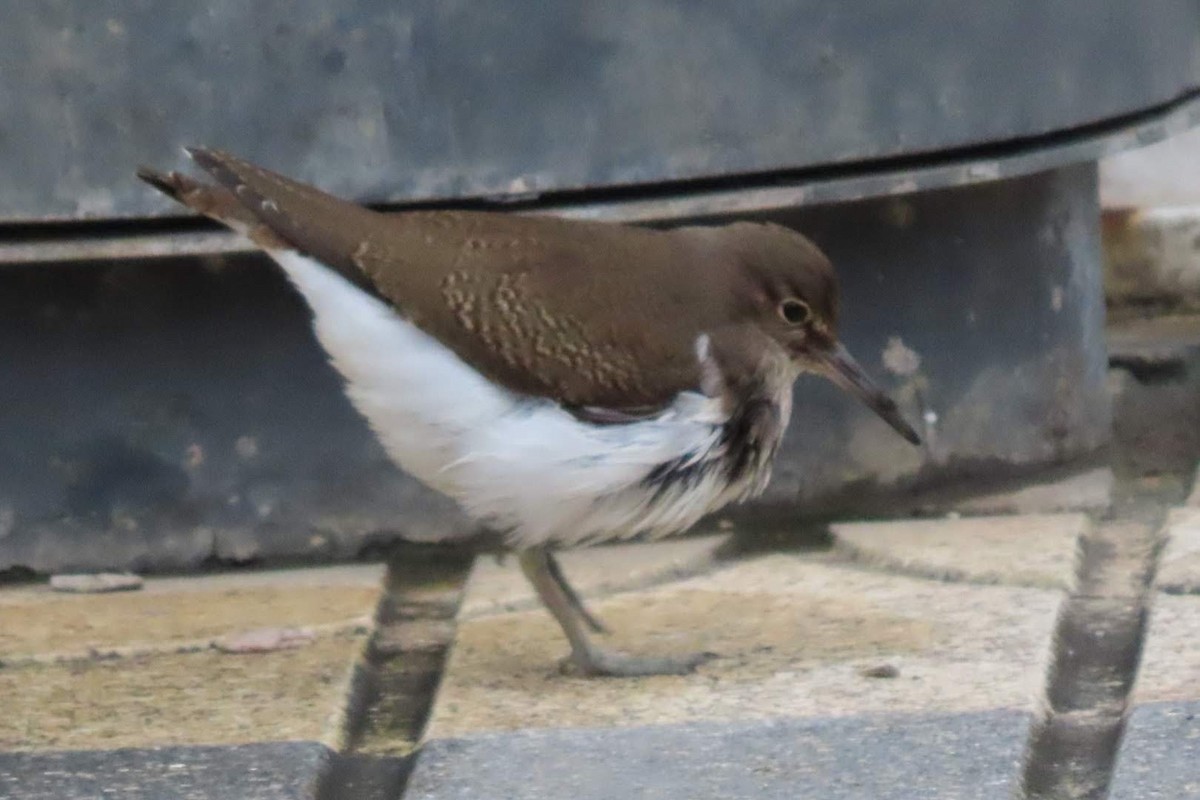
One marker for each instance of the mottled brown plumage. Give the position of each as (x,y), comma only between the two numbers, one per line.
(591,314)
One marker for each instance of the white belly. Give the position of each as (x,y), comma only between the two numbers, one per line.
(522,466)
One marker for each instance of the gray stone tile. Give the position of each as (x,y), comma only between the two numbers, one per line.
(270,771)
(883,757)
(1160,755)
(139,669)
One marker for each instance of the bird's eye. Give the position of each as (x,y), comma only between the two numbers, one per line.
(795,311)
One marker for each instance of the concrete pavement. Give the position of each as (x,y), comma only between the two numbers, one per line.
(912,658)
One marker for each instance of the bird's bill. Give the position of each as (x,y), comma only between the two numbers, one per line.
(841,368)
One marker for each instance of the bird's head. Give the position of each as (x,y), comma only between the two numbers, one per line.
(790,292)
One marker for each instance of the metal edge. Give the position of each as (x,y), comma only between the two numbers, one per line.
(839,185)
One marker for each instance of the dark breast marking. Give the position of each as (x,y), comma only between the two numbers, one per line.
(750,438)
(745,447)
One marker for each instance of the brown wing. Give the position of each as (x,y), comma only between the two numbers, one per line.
(596,315)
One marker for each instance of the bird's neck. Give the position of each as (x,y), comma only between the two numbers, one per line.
(758,415)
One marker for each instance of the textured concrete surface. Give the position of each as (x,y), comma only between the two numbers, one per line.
(267,771)
(796,636)
(1160,753)
(884,757)
(182,613)
(142,669)
(1023,550)
(1086,491)
(833,670)
(1170,668)
(1179,566)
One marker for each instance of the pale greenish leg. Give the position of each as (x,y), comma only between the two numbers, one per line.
(573,598)
(589,657)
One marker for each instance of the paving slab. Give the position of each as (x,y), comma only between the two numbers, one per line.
(890,757)
(798,635)
(1087,491)
(1179,565)
(1160,754)
(1023,550)
(181,613)
(1170,668)
(146,694)
(265,771)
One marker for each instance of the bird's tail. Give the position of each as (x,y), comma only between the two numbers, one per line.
(213,201)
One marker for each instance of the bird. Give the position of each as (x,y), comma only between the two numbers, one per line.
(566,382)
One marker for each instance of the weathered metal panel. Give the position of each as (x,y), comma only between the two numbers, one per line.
(161,413)
(384,101)
(664,204)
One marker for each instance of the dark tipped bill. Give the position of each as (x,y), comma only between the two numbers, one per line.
(842,369)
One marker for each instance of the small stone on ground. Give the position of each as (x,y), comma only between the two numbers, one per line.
(265,640)
(96,583)
(137,669)
(1088,491)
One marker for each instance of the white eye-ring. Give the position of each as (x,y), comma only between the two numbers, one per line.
(795,311)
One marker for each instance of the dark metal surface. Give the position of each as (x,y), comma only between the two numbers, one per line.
(164,414)
(161,413)
(670,203)
(388,101)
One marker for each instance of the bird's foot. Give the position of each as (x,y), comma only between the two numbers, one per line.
(614,664)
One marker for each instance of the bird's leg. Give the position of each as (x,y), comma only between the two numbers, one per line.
(556,574)
(589,657)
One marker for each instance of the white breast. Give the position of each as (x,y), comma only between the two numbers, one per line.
(523,466)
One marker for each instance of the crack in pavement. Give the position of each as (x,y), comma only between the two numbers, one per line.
(1072,748)
(396,683)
